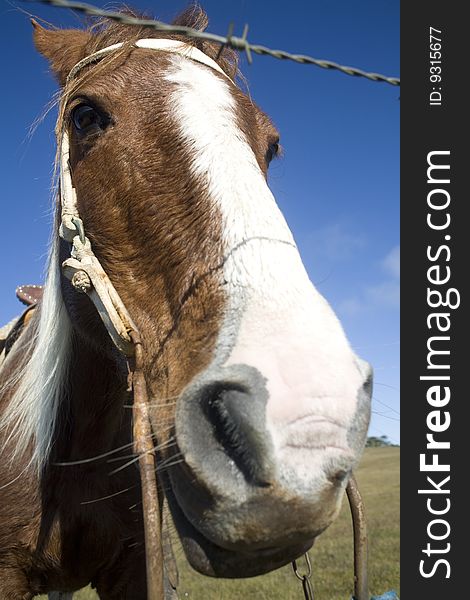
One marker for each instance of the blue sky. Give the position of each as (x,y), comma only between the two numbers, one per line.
(337,183)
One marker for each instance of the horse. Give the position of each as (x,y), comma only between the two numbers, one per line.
(258,406)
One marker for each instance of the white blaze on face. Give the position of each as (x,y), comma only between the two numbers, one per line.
(276,320)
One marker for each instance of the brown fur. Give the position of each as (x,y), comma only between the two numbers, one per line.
(158,238)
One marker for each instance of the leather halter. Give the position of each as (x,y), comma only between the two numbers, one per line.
(88,276)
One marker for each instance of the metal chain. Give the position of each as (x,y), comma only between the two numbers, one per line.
(238,43)
(304,578)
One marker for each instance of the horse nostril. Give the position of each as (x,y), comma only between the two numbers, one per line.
(339,476)
(228,409)
(226,421)
(221,429)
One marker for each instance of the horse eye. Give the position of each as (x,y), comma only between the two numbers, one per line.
(272,152)
(87,119)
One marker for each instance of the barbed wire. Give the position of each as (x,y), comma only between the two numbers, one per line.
(238,43)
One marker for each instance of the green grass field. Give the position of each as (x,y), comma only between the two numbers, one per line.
(332,555)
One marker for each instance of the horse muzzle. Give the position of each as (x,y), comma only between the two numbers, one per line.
(246,487)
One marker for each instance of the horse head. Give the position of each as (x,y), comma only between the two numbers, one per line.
(259,405)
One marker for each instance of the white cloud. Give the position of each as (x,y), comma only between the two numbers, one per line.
(391,263)
(335,242)
(350,306)
(386,294)
(383,294)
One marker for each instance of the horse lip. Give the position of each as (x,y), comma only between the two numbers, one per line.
(217,561)
(315,419)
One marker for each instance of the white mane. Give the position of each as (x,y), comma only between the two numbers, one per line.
(30,417)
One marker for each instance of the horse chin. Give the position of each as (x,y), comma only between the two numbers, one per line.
(212,560)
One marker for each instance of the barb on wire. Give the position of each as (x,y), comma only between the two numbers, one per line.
(238,43)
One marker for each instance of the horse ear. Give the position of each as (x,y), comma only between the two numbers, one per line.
(63,48)
(194,16)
